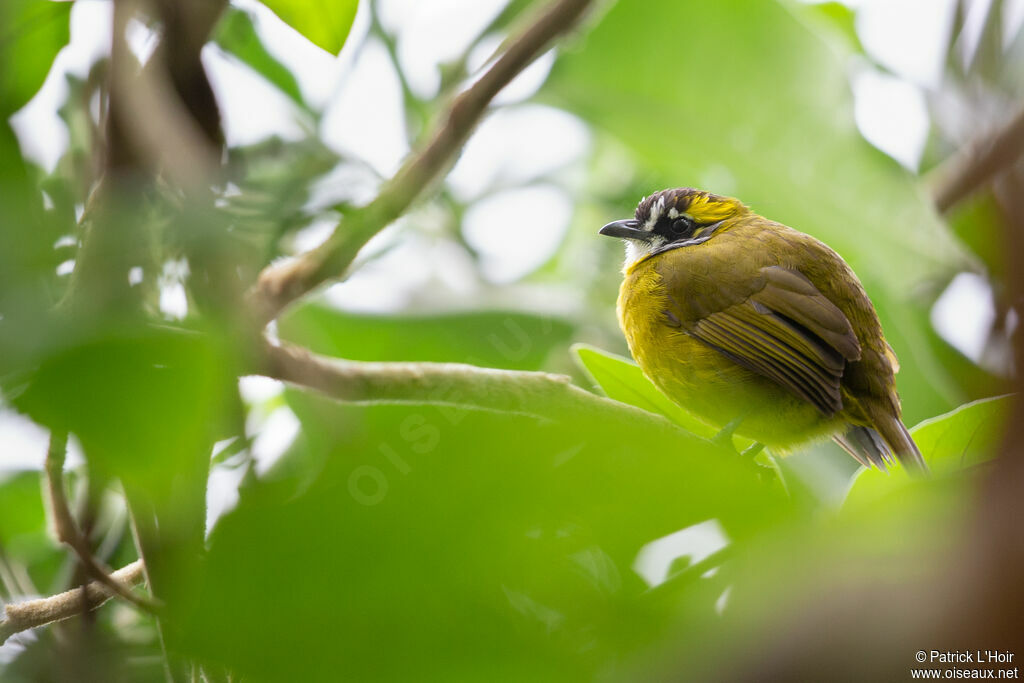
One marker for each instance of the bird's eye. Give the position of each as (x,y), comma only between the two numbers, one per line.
(681,226)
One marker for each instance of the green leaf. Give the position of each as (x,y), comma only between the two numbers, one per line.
(950,443)
(21,505)
(326,23)
(513,341)
(840,19)
(236,34)
(964,437)
(623,380)
(517,534)
(761,109)
(23,533)
(32,32)
(144,400)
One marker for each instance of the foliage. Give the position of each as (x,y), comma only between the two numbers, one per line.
(495,339)
(437,538)
(326,24)
(32,34)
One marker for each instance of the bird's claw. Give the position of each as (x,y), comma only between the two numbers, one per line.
(723,439)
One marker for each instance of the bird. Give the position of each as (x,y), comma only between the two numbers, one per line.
(758,329)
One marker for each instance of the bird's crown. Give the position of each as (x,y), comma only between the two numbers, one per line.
(699,206)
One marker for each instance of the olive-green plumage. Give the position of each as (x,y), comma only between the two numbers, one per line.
(732,315)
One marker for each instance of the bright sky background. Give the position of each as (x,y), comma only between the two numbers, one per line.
(361,99)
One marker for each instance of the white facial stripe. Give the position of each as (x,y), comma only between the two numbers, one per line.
(655,214)
(657,210)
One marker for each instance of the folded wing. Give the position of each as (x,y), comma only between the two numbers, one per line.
(784,329)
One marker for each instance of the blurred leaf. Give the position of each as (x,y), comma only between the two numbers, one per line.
(623,380)
(236,34)
(761,109)
(26,247)
(32,32)
(839,18)
(513,341)
(950,443)
(24,539)
(143,400)
(518,535)
(326,23)
(147,403)
(21,506)
(275,181)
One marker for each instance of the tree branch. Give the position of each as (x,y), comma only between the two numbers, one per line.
(151,115)
(977,163)
(455,385)
(68,531)
(31,613)
(279,285)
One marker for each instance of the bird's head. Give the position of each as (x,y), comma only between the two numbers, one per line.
(673,218)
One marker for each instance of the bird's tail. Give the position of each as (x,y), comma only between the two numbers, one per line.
(881,446)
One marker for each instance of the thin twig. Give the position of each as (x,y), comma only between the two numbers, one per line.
(31,613)
(458,386)
(977,163)
(68,531)
(279,285)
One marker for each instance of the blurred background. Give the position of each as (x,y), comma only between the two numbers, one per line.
(836,118)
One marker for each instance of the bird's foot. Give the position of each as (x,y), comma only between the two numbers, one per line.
(723,439)
(724,443)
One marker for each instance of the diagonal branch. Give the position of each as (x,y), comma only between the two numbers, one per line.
(977,163)
(68,531)
(22,616)
(279,285)
(454,385)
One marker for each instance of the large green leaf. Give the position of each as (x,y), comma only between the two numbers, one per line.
(623,380)
(142,399)
(516,534)
(951,444)
(760,108)
(237,35)
(497,339)
(147,403)
(326,23)
(31,34)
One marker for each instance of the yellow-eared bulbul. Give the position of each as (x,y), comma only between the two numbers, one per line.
(745,322)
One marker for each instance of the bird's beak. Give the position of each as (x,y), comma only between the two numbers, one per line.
(626,229)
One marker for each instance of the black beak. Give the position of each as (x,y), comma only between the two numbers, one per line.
(627,230)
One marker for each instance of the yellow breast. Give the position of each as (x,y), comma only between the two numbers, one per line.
(677,363)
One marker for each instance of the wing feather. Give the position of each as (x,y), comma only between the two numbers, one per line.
(784,329)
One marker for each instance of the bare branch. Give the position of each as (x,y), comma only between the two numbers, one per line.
(978,163)
(31,613)
(155,120)
(68,531)
(455,385)
(279,285)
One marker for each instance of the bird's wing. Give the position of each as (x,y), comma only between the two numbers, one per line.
(781,327)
